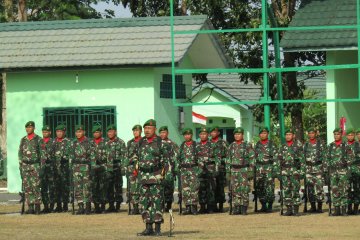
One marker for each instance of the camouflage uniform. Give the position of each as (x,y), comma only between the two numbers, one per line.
(132,174)
(354,178)
(47,174)
(315,155)
(240,160)
(291,168)
(266,154)
(169,184)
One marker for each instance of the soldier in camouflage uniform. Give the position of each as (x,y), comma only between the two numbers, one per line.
(116,156)
(338,164)
(220,147)
(209,164)
(240,160)
(47,171)
(98,178)
(81,166)
(152,156)
(291,168)
(188,168)
(266,154)
(132,170)
(61,154)
(169,185)
(30,157)
(315,155)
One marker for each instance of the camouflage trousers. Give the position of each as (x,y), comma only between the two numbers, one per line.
(82,183)
(47,184)
(114,185)
(31,183)
(207,187)
(189,186)
(169,190)
(339,188)
(291,188)
(220,181)
(151,200)
(315,184)
(62,182)
(354,188)
(99,184)
(265,186)
(134,189)
(240,186)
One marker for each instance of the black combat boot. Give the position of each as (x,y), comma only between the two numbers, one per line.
(97,208)
(65,206)
(202,209)
(194,209)
(313,207)
(117,206)
(210,208)
(37,209)
(102,207)
(215,208)
(289,211)
(58,208)
(51,207)
(111,208)
(88,208)
(80,211)
(263,206)
(221,207)
(319,208)
(356,209)
(30,209)
(350,210)
(168,206)
(296,210)
(148,230)
(236,210)
(187,210)
(135,210)
(244,210)
(158,229)
(337,211)
(46,208)
(269,207)
(343,211)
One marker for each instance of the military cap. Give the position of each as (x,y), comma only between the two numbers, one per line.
(187,131)
(111,127)
(150,122)
(289,130)
(204,129)
(163,128)
(96,128)
(214,128)
(46,128)
(79,127)
(358,130)
(238,130)
(337,130)
(350,130)
(311,129)
(264,129)
(137,127)
(61,127)
(30,124)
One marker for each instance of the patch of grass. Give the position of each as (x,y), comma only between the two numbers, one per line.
(3,183)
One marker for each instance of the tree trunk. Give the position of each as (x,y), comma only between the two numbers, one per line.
(22,15)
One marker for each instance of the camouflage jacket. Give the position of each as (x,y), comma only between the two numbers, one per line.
(354,157)
(220,148)
(152,158)
(206,157)
(174,152)
(30,150)
(61,151)
(291,160)
(46,152)
(98,152)
(240,157)
(115,153)
(315,156)
(266,156)
(131,147)
(186,158)
(337,158)
(81,152)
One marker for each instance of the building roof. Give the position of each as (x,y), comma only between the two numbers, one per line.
(316,84)
(323,13)
(98,42)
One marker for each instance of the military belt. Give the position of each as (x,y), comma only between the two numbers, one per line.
(210,162)
(238,166)
(30,162)
(188,165)
(150,169)
(317,163)
(265,163)
(116,161)
(81,162)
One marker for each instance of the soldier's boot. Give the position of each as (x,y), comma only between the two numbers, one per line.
(30,209)
(51,207)
(80,211)
(289,211)
(244,210)
(202,209)
(313,207)
(269,207)
(65,207)
(194,209)
(37,209)
(215,208)
(168,206)
(319,208)
(46,208)
(148,230)
(263,206)
(356,209)
(296,210)
(221,207)
(102,207)
(111,208)
(343,211)
(97,208)
(350,210)
(237,210)
(135,210)
(187,210)
(337,211)
(117,206)
(58,208)
(88,208)
(158,229)
(210,208)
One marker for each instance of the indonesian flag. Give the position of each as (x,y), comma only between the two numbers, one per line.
(198,118)
(343,125)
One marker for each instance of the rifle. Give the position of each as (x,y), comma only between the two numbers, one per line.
(305,195)
(255,192)
(329,192)
(72,190)
(22,197)
(180,194)
(230,195)
(128,195)
(172,222)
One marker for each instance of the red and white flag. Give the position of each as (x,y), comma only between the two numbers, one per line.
(343,125)
(198,118)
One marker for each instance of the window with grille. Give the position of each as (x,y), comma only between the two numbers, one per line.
(166,87)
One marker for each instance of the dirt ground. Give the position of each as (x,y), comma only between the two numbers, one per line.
(215,226)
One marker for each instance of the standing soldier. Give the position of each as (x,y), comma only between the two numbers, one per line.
(132,170)
(81,165)
(240,160)
(315,155)
(291,168)
(169,185)
(98,155)
(30,163)
(187,166)
(47,171)
(152,156)
(61,154)
(220,147)
(116,157)
(266,153)
(209,165)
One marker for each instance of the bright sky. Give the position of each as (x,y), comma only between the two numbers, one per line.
(120,12)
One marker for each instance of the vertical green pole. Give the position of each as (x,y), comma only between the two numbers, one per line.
(265,62)
(172,51)
(358,38)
